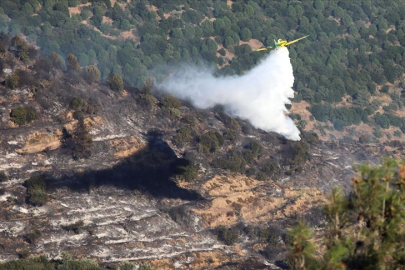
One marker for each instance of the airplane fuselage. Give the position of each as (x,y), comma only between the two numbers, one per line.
(280,43)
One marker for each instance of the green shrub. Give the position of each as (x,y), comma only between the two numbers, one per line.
(33,236)
(12,81)
(385,89)
(382,120)
(36,189)
(82,140)
(270,170)
(42,263)
(184,135)
(36,182)
(23,115)
(231,134)
(3,176)
(226,235)
(170,101)
(145,266)
(397,133)
(3,47)
(235,163)
(116,83)
(147,100)
(77,103)
(301,153)
(312,137)
(270,235)
(211,141)
(261,176)
(127,266)
(93,74)
(38,197)
(186,170)
(73,64)
(75,227)
(56,60)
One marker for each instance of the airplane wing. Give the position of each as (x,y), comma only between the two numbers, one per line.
(291,42)
(264,49)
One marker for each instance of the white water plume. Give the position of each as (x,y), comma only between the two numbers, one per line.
(258,96)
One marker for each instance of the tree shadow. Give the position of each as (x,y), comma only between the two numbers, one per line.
(150,170)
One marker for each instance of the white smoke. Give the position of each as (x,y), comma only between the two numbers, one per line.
(259,96)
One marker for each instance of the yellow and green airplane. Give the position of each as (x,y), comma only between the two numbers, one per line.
(279,43)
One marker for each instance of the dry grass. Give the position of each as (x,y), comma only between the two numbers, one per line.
(254,43)
(237,197)
(40,141)
(126,147)
(78,9)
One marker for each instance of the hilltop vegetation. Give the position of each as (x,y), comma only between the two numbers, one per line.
(364,230)
(354,54)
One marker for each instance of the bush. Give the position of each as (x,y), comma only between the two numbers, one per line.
(261,176)
(145,266)
(77,103)
(38,197)
(82,141)
(127,266)
(186,171)
(116,83)
(170,101)
(235,163)
(56,60)
(75,227)
(33,236)
(226,235)
(23,115)
(36,189)
(42,262)
(3,176)
(73,64)
(231,134)
(93,74)
(301,153)
(271,235)
(270,170)
(147,100)
(385,89)
(184,135)
(211,141)
(12,81)
(382,120)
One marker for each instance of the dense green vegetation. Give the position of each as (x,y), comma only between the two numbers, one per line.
(355,47)
(3,176)
(66,263)
(22,115)
(364,230)
(36,190)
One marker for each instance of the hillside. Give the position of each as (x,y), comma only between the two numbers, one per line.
(348,74)
(125,175)
(97,161)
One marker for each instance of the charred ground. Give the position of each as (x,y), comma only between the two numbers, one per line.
(136,175)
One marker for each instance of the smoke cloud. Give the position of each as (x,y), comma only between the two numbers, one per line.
(259,96)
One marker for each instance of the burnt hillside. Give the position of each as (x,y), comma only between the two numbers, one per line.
(114,173)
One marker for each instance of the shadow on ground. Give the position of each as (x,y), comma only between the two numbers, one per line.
(150,170)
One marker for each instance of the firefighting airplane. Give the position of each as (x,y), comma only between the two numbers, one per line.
(279,43)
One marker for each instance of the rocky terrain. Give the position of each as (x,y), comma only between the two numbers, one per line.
(125,203)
